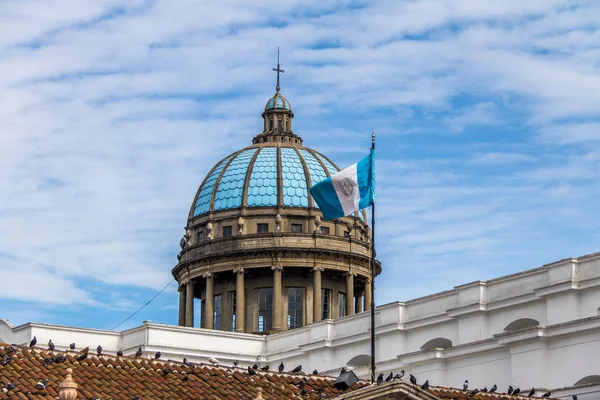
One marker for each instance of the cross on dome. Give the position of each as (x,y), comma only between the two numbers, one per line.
(278,70)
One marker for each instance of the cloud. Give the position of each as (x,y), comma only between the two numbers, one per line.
(112,113)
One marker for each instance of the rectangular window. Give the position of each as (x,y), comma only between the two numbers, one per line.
(279,126)
(297,228)
(217,312)
(325,230)
(342,304)
(199,236)
(326,301)
(265,309)
(227,232)
(262,228)
(295,307)
(233,302)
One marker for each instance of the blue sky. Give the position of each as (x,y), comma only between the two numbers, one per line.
(487,117)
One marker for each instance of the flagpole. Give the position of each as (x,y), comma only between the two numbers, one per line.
(372,274)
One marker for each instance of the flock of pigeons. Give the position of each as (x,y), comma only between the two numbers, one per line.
(251,371)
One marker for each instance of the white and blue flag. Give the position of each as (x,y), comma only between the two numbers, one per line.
(347,191)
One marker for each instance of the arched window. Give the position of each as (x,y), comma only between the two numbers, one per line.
(521,323)
(362,359)
(588,379)
(437,343)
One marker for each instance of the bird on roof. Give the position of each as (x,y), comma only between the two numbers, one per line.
(510,389)
(11,349)
(32,343)
(574,397)
(185,378)
(531,392)
(82,356)
(474,392)
(5,360)
(466,384)
(516,391)
(297,369)
(10,386)
(413,380)
(380,379)
(139,352)
(251,371)
(265,368)
(484,390)
(72,346)
(99,349)
(315,372)
(494,388)
(48,361)
(425,386)
(546,395)
(86,350)
(389,377)
(120,353)
(281,367)
(166,371)
(255,366)
(42,384)
(137,398)
(213,361)
(60,358)
(186,362)
(399,376)
(235,362)
(157,355)
(51,345)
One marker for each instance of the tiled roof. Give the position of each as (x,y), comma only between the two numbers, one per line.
(455,394)
(123,378)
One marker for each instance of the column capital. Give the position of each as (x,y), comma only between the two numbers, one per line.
(277,267)
(238,270)
(318,269)
(351,273)
(207,275)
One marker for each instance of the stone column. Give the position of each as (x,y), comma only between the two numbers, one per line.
(181,305)
(277,298)
(358,303)
(317,301)
(189,304)
(368,298)
(350,293)
(209,318)
(240,303)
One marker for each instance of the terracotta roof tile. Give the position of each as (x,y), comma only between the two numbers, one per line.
(109,377)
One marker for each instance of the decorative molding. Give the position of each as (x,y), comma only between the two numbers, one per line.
(207,275)
(318,269)
(238,270)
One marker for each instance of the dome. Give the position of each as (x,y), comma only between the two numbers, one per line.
(278,102)
(269,175)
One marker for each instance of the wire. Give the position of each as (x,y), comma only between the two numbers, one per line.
(142,307)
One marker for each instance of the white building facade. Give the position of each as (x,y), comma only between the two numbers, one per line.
(538,328)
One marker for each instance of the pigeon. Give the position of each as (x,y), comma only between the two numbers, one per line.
(251,372)
(51,345)
(48,361)
(315,372)
(72,346)
(82,357)
(99,349)
(186,362)
(86,350)
(42,384)
(32,343)
(213,361)
(466,385)
(510,390)
(574,397)
(398,376)
(494,388)
(60,358)
(255,366)
(516,391)
(413,380)
(138,353)
(281,367)
(11,349)
(297,369)
(474,392)
(137,398)
(389,377)
(185,378)
(235,363)
(265,368)
(10,386)
(546,395)
(425,386)
(166,371)
(120,353)
(531,392)
(5,361)
(380,379)
(157,355)
(484,390)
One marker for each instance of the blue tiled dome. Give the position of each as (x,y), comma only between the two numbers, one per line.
(251,177)
(278,102)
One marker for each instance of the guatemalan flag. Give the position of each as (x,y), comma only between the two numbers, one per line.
(347,191)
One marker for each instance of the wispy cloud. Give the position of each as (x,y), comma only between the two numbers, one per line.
(112,113)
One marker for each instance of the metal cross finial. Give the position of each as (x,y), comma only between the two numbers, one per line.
(278,70)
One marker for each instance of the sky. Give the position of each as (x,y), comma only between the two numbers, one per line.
(487,115)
